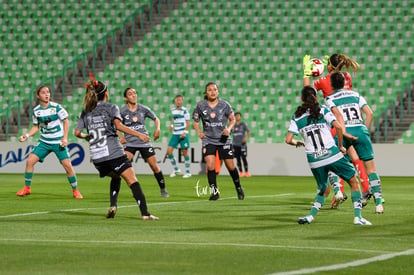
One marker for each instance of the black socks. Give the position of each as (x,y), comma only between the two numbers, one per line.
(114,191)
(211,177)
(235,176)
(160,179)
(140,198)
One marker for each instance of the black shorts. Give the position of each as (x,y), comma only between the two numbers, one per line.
(145,152)
(224,151)
(240,151)
(117,166)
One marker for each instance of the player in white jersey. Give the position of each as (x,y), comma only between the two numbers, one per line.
(314,123)
(179,130)
(334,63)
(51,119)
(102,120)
(349,105)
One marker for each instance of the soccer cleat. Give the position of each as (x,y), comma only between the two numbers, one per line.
(240,174)
(337,199)
(240,193)
(305,220)
(164,193)
(361,221)
(247,174)
(111,212)
(214,197)
(176,173)
(149,218)
(214,193)
(186,176)
(366,196)
(77,194)
(379,209)
(24,192)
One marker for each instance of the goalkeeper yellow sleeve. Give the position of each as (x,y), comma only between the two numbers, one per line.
(307,66)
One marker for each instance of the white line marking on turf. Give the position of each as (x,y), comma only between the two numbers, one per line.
(132,205)
(134,242)
(172,243)
(379,258)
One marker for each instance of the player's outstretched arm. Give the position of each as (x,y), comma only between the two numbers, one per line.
(31,132)
(124,129)
(289,140)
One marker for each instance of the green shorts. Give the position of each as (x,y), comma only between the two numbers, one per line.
(44,149)
(176,139)
(343,168)
(363,145)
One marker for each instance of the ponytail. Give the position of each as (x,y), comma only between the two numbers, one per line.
(310,104)
(340,61)
(95,91)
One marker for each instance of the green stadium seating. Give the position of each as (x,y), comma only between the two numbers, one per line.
(48,34)
(407,137)
(253,49)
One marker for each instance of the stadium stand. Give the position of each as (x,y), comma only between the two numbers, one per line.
(39,38)
(407,137)
(252,49)
(247,61)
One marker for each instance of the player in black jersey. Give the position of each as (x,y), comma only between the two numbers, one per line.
(241,133)
(133,116)
(101,121)
(218,120)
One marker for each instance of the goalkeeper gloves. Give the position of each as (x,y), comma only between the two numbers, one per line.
(307,66)
(325,60)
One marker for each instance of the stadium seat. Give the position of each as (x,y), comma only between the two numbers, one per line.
(249,49)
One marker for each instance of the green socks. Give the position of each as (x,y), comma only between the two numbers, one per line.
(317,204)
(187,164)
(356,197)
(173,162)
(334,181)
(73,182)
(28,178)
(375,183)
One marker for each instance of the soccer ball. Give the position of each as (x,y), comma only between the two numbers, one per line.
(318,67)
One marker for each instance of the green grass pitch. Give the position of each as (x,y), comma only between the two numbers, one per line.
(49,232)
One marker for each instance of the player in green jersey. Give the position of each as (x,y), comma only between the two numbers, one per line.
(51,120)
(313,122)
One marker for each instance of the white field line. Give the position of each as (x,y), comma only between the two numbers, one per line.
(135,242)
(128,242)
(132,205)
(379,258)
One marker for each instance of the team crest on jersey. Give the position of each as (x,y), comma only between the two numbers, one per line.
(213,115)
(134,119)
